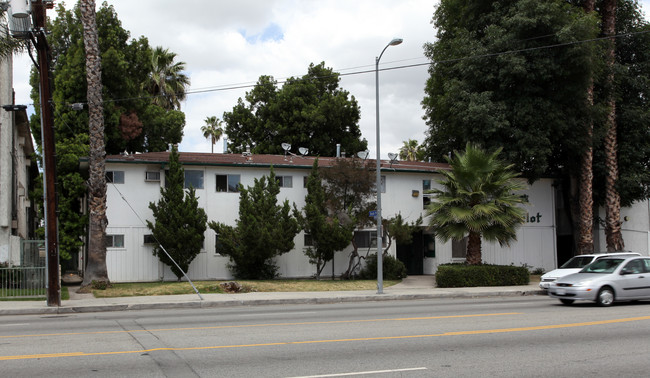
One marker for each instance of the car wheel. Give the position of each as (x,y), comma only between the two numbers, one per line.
(605,296)
(567,301)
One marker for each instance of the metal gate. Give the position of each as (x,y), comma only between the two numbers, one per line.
(27,279)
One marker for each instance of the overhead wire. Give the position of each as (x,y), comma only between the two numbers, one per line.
(339,73)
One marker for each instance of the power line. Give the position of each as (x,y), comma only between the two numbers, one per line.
(251,84)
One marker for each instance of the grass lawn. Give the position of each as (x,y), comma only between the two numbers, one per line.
(206,287)
(16,295)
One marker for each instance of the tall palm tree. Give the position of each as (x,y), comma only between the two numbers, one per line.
(613,233)
(478,199)
(411,151)
(585,242)
(96,263)
(167,82)
(212,130)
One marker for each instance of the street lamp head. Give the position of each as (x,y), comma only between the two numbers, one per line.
(396,41)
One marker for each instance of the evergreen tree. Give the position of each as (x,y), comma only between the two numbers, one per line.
(263,231)
(327,233)
(309,111)
(180,223)
(496,81)
(351,194)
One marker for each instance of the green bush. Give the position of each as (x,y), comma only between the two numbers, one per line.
(463,275)
(393,269)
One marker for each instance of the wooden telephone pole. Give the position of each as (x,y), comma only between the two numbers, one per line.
(49,162)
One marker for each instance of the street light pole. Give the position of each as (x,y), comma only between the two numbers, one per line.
(380,246)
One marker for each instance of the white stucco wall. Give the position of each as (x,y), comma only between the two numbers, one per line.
(135,262)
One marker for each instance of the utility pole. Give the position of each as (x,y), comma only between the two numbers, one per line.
(49,161)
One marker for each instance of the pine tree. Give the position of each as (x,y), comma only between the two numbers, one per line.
(180,223)
(327,233)
(264,230)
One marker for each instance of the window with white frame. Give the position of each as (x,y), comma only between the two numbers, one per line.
(149,239)
(152,176)
(193,178)
(218,245)
(115,177)
(228,183)
(308,240)
(365,239)
(114,241)
(426,196)
(285,181)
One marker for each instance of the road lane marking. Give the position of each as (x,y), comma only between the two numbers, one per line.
(456,333)
(363,373)
(260,325)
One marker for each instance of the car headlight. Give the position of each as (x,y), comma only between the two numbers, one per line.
(580,284)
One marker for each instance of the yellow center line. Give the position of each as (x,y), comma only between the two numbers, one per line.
(260,325)
(457,333)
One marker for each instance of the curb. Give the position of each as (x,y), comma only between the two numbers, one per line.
(260,302)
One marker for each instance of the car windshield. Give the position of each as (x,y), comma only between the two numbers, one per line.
(602,266)
(577,262)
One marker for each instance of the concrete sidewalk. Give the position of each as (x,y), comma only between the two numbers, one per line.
(415,287)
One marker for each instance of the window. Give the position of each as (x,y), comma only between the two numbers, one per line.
(426,196)
(115,177)
(218,245)
(308,241)
(285,181)
(459,248)
(152,176)
(304,181)
(365,239)
(114,241)
(228,183)
(429,241)
(194,179)
(149,239)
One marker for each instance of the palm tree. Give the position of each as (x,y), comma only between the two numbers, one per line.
(411,151)
(613,233)
(585,241)
(478,198)
(96,264)
(167,82)
(212,130)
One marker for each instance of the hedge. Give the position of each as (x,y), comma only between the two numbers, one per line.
(463,275)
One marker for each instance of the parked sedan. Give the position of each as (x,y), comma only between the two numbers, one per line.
(605,281)
(575,264)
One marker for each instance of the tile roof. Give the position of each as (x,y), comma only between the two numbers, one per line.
(252,160)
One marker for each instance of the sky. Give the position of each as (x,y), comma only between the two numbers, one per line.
(229,44)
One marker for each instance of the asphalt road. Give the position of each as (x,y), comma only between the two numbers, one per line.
(492,337)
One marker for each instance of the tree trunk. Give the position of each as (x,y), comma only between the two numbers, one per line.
(474,256)
(96,262)
(585,194)
(612,199)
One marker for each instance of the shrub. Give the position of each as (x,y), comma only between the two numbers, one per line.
(393,269)
(463,275)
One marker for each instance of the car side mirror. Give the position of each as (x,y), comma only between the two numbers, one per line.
(626,271)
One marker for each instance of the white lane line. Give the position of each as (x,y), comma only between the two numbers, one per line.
(14,324)
(363,373)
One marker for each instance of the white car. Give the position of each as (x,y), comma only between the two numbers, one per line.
(575,264)
(606,281)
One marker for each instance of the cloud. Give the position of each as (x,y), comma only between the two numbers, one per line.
(230,44)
